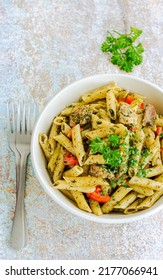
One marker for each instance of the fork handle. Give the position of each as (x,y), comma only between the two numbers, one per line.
(19,233)
(17,156)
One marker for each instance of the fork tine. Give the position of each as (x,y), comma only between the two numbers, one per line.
(28,118)
(8,118)
(31,116)
(34,115)
(11,117)
(18,125)
(23,127)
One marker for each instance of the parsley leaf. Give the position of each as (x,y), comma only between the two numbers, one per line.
(114,140)
(141,173)
(97,146)
(145,152)
(112,157)
(109,150)
(124,53)
(133,152)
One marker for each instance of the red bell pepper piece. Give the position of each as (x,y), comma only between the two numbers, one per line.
(158,130)
(133,129)
(70,159)
(70,132)
(142,106)
(121,100)
(98,196)
(129,99)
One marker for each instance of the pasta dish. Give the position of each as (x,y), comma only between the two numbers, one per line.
(105,152)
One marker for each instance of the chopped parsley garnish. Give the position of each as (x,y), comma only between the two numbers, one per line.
(145,152)
(121,182)
(133,152)
(124,52)
(161,135)
(114,140)
(109,150)
(113,184)
(98,146)
(141,173)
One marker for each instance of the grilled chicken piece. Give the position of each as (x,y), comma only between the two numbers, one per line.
(99,171)
(149,115)
(80,115)
(126,115)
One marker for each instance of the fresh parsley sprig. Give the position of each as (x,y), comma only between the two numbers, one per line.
(124,53)
(109,150)
(98,146)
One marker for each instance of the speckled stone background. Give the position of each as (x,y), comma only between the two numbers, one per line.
(44,46)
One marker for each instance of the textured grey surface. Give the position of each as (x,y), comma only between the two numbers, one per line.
(46,45)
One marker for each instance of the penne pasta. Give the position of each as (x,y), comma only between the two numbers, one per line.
(68,194)
(111,104)
(78,144)
(145,160)
(156,157)
(126,201)
(74,171)
(149,136)
(161,150)
(145,183)
(68,110)
(81,201)
(59,120)
(104,152)
(53,160)
(143,191)
(53,132)
(65,128)
(97,94)
(96,107)
(45,145)
(124,150)
(132,208)
(121,93)
(108,130)
(159,122)
(154,171)
(58,171)
(63,185)
(149,201)
(159,178)
(83,133)
(87,181)
(65,142)
(102,114)
(139,121)
(98,123)
(95,207)
(94,159)
(137,145)
(118,195)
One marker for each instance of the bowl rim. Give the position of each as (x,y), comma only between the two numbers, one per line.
(76,211)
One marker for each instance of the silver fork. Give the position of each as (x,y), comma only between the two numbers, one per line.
(11,134)
(26,115)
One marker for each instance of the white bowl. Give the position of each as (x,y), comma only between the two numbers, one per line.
(56,105)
